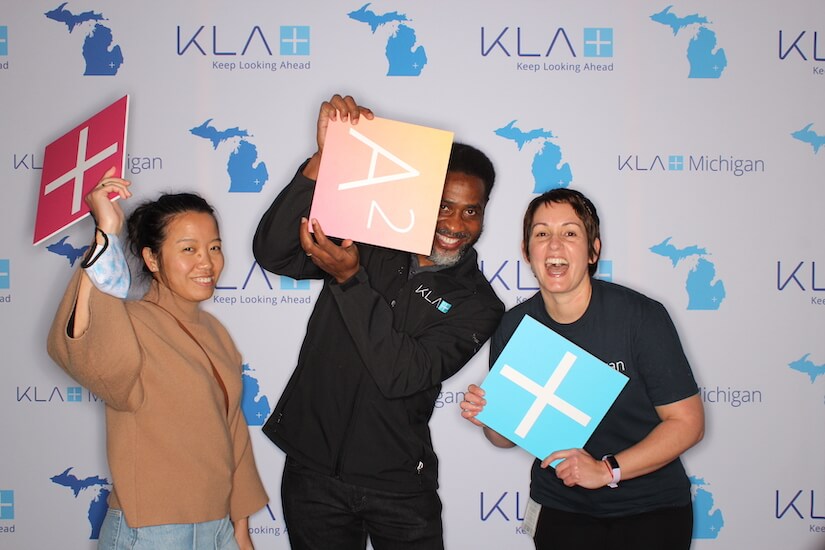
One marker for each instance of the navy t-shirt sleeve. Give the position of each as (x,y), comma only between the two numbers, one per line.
(661,358)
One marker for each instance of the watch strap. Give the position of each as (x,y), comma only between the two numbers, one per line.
(613,466)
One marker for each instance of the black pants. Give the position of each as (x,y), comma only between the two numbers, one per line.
(324,513)
(665,529)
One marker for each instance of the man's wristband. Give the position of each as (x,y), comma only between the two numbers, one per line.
(613,465)
(359,277)
(349,283)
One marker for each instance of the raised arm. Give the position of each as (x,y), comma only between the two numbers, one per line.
(92,337)
(277,246)
(109,219)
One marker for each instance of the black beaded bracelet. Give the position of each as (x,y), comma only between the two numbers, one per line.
(89,260)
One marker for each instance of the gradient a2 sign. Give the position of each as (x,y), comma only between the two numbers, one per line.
(380,182)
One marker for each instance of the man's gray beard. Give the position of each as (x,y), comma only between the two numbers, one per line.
(446,260)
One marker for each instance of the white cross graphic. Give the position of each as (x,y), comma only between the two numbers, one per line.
(294,40)
(80,168)
(545,395)
(598,42)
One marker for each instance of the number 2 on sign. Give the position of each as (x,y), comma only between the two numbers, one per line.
(375,207)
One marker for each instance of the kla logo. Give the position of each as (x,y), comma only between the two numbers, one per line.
(257,272)
(440,304)
(595,42)
(49,394)
(294,40)
(292,290)
(516,275)
(6,510)
(724,164)
(288,283)
(505,506)
(804,46)
(798,275)
(637,163)
(4,41)
(509,274)
(6,506)
(5,274)
(27,161)
(291,40)
(802,505)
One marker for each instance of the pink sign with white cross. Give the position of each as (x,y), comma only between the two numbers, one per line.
(74,163)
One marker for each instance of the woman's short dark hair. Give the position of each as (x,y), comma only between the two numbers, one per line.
(146,226)
(584,209)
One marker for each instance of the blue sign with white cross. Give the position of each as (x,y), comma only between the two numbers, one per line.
(545,393)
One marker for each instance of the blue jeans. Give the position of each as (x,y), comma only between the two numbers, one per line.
(115,534)
(324,513)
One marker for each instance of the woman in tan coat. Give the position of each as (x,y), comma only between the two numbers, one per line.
(178,444)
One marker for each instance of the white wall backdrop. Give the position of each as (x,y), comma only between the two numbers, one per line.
(702,125)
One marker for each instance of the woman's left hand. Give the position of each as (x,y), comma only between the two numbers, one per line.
(242,534)
(577,467)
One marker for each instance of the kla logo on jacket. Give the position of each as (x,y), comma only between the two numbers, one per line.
(440,304)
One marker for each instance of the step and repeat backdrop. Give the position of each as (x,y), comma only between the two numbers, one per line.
(695,127)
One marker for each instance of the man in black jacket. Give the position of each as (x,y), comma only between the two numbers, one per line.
(387,329)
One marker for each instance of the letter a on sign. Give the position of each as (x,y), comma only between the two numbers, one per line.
(74,163)
(380,182)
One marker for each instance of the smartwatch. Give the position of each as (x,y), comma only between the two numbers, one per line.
(613,464)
